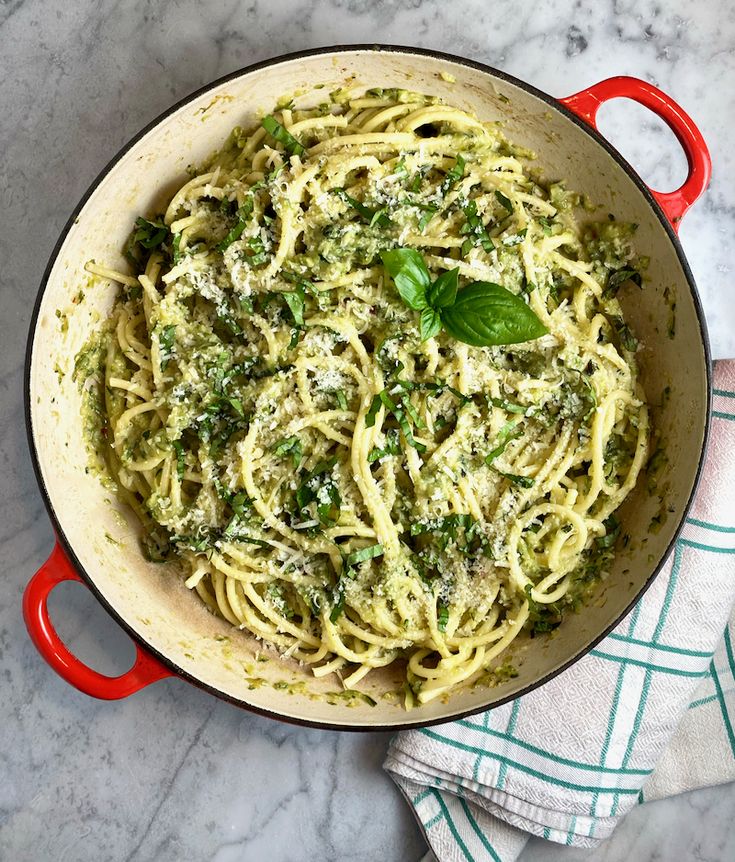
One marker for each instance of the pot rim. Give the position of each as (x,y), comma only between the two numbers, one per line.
(552,102)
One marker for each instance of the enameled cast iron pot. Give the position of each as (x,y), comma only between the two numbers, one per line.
(97,539)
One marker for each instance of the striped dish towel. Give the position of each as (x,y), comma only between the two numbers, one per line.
(650,712)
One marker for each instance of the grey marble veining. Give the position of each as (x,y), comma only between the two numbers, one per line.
(171,773)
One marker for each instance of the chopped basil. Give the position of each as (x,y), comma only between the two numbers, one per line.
(618,278)
(175,245)
(374,216)
(503,200)
(149,234)
(442,616)
(235,232)
(341,399)
(399,412)
(392,447)
(510,431)
(453,176)
(295,301)
(515,239)
(542,618)
(462,530)
(277,131)
(545,223)
(475,231)
(508,406)
(523,481)
(337,606)
(318,486)
(357,557)
(289,446)
(624,333)
(166,338)
(180,463)
(429,212)
(612,528)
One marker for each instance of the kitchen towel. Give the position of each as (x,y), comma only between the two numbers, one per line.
(648,713)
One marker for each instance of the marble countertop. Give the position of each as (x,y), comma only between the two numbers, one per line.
(172,773)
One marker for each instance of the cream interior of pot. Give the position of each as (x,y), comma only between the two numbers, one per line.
(152,599)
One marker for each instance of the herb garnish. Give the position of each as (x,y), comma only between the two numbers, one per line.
(481,314)
(453,176)
(399,411)
(289,446)
(442,616)
(166,344)
(276,130)
(180,463)
(318,486)
(509,431)
(474,229)
(377,216)
(392,447)
(360,556)
(618,278)
(503,200)
(523,481)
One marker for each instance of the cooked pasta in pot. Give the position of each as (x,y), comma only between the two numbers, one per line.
(369,381)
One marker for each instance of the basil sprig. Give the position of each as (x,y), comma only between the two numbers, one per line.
(481,314)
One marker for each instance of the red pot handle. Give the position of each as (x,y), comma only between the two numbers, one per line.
(56,569)
(586,104)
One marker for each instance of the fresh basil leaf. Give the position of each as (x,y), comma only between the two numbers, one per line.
(485,314)
(430,323)
(443,292)
(503,200)
(276,130)
(410,275)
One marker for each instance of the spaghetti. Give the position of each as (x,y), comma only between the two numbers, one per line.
(342,489)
